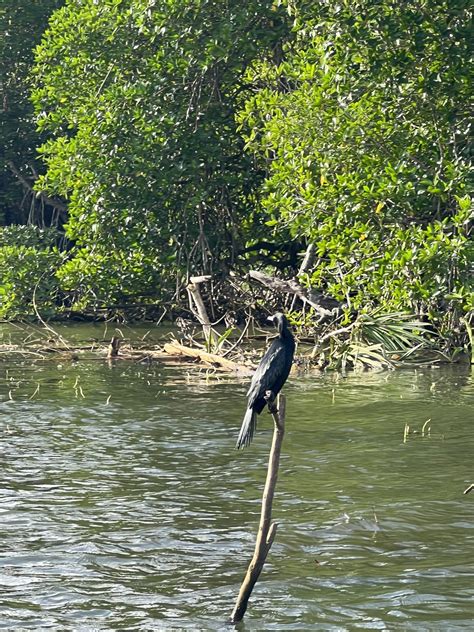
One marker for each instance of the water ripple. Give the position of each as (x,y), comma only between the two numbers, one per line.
(140,515)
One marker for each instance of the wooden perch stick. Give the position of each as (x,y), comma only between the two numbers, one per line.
(267,528)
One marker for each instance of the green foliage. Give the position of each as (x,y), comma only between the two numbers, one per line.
(375,341)
(21,25)
(187,135)
(29,236)
(363,131)
(139,101)
(470,336)
(28,263)
(422,269)
(98,278)
(395,332)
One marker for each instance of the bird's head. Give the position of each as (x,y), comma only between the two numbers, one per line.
(279,321)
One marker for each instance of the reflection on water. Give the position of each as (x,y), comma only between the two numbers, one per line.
(123,504)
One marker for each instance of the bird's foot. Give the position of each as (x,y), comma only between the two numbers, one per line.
(270,399)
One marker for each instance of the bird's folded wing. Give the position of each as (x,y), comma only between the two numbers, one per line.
(265,374)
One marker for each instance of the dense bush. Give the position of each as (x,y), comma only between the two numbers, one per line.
(29,260)
(21,26)
(139,99)
(363,132)
(193,138)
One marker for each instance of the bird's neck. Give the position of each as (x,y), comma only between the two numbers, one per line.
(285,334)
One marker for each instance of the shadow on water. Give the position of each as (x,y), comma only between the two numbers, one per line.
(125,506)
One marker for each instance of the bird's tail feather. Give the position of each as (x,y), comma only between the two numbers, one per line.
(247,429)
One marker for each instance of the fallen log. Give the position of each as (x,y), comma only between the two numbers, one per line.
(212,359)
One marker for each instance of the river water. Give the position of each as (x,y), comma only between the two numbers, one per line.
(124,505)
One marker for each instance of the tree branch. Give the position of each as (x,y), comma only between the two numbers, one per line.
(54,202)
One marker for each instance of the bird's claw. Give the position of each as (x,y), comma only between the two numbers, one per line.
(270,399)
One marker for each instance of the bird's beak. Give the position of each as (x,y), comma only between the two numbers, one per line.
(270,319)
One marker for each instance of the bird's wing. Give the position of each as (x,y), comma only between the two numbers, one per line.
(266,373)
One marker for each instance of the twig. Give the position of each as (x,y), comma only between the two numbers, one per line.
(237,343)
(331,334)
(306,265)
(267,529)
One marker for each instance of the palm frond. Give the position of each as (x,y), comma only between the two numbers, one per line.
(395,331)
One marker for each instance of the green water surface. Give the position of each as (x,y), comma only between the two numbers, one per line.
(124,505)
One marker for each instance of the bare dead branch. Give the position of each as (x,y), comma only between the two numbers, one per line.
(196,304)
(325,306)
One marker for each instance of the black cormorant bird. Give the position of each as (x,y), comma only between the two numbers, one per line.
(270,375)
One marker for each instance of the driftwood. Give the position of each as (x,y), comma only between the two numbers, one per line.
(176,349)
(267,528)
(172,353)
(324,305)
